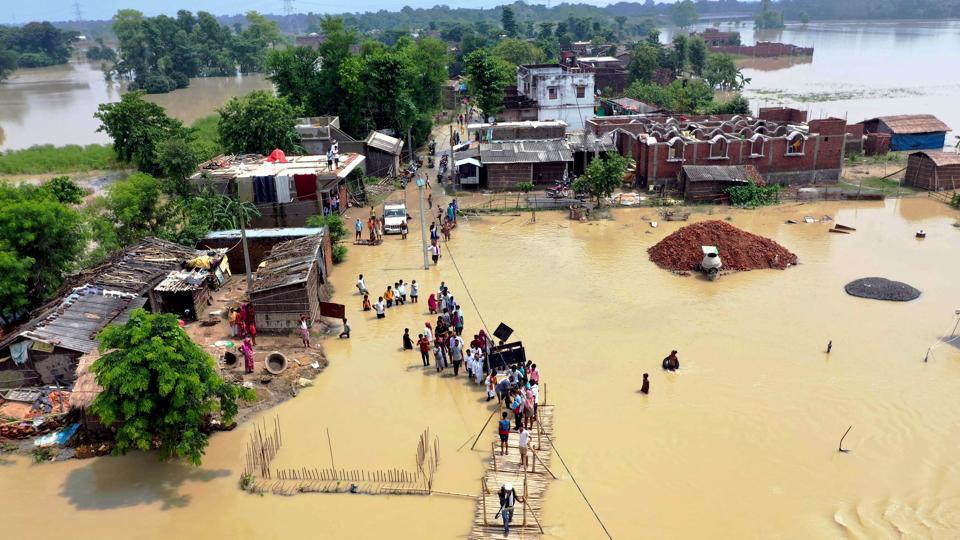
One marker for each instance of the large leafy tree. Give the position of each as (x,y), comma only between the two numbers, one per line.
(721,72)
(15,273)
(487,75)
(644,62)
(134,205)
(35,226)
(602,176)
(137,128)
(160,389)
(697,54)
(517,52)
(251,44)
(683,13)
(258,123)
(509,21)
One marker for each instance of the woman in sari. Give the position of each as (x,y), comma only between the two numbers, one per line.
(432,303)
(247,350)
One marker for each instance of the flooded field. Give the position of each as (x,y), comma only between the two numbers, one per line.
(55,105)
(740,443)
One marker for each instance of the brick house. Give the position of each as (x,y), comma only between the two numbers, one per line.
(779,144)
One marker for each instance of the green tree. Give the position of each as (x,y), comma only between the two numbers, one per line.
(509,21)
(697,55)
(546,30)
(134,205)
(735,105)
(179,160)
(250,46)
(14,281)
(8,63)
(518,52)
(768,19)
(63,190)
(258,123)
(429,58)
(804,18)
(621,22)
(35,225)
(683,13)
(652,94)
(721,72)
(160,389)
(137,128)
(644,62)
(602,177)
(681,51)
(487,75)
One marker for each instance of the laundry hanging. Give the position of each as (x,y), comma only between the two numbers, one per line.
(306,185)
(245,188)
(282,183)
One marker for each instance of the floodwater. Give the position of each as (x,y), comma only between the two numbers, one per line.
(55,105)
(861,69)
(740,443)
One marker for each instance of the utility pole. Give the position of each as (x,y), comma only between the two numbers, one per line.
(246,249)
(453,166)
(410,143)
(77,11)
(288,7)
(421,183)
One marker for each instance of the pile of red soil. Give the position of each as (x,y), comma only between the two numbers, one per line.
(739,250)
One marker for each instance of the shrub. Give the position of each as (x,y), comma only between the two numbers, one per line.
(753,195)
(339,253)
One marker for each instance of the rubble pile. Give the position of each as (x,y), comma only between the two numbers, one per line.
(878,288)
(739,249)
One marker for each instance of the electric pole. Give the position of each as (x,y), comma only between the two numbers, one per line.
(421,183)
(246,249)
(288,7)
(77,11)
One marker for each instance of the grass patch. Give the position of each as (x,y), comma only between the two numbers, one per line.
(207,141)
(59,159)
(895,158)
(888,186)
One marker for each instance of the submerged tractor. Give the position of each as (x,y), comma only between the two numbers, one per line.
(711,264)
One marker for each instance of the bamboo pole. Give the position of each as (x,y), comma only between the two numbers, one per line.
(483,497)
(482,429)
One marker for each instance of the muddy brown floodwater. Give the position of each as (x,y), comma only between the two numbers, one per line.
(740,443)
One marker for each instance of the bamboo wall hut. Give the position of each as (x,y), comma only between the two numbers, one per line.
(289,283)
(933,171)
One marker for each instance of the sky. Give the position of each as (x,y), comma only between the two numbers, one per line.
(18,12)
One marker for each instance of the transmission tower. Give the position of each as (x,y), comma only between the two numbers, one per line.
(77,11)
(288,7)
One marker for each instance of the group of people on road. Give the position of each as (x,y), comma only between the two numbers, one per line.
(394,295)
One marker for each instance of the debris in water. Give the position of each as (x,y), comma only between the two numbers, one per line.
(681,251)
(877,288)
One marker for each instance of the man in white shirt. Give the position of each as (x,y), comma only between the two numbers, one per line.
(414,292)
(380,308)
(402,292)
(523,443)
(361,286)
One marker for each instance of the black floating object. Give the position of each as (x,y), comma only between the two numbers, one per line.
(503,332)
(878,288)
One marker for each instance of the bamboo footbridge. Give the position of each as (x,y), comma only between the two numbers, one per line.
(530,482)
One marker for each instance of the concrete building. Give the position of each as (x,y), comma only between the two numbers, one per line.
(318,133)
(560,92)
(716,38)
(288,190)
(780,144)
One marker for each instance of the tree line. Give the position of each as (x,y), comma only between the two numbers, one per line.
(368,84)
(160,54)
(36,44)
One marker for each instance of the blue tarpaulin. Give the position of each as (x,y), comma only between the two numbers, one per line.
(917,141)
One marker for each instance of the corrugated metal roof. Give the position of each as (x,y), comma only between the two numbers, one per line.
(941,159)
(539,151)
(75,325)
(719,173)
(635,105)
(907,124)
(292,232)
(384,143)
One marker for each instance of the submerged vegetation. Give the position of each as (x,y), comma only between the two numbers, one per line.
(59,159)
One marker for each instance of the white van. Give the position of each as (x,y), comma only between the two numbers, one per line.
(393,215)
